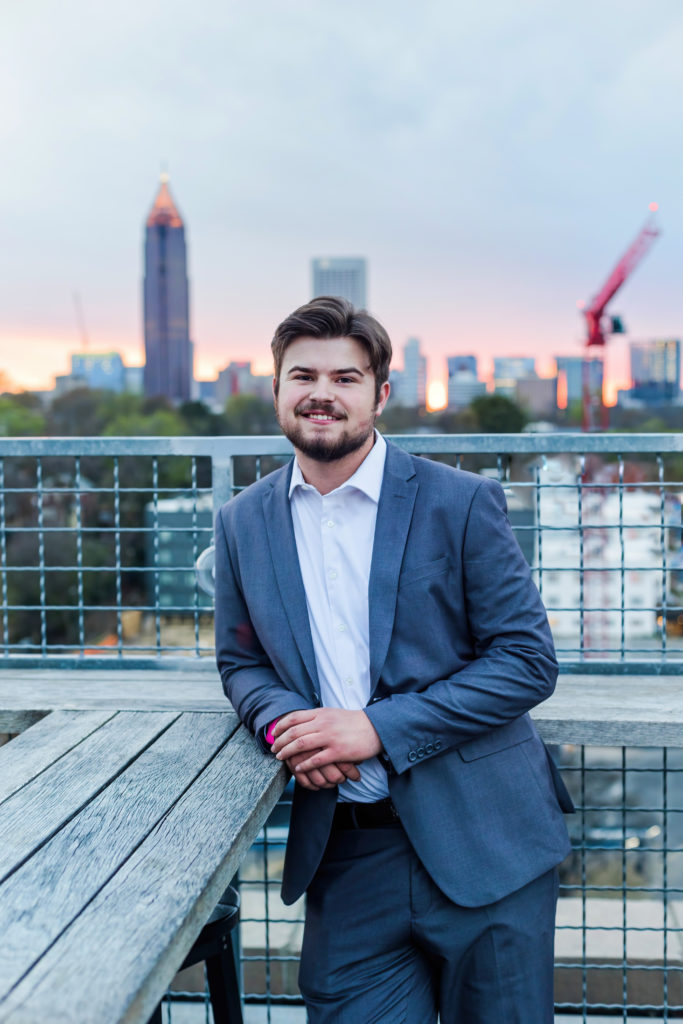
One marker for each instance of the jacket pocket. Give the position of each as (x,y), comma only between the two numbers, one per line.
(423,572)
(498,739)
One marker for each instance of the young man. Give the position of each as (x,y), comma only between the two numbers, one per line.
(377,628)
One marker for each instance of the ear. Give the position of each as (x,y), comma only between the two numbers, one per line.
(383,396)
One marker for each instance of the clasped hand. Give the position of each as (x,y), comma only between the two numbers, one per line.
(323,746)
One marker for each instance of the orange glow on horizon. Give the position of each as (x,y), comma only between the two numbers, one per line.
(610,388)
(436,396)
(562,390)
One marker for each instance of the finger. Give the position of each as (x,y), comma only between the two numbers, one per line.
(292,762)
(293,718)
(318,759)
(294,733)
(303,781)
(301,745)
(332,775)
(349,769)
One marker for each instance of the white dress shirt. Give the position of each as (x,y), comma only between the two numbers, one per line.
(334,538)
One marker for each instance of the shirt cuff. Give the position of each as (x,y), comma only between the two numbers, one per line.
(270,738)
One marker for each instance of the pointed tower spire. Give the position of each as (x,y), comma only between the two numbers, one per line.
(164,211)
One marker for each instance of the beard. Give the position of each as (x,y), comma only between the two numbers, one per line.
(322,449)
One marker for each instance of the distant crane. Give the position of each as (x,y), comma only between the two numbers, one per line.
(600,325)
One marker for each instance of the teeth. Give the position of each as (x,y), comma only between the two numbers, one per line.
(320,418)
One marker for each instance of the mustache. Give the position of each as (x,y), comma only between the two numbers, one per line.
(321,407)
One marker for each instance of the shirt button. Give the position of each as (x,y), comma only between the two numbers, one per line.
(349,681)
(341,627)
(330,522)
(332,574)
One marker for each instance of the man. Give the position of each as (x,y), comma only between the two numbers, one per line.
(377,629)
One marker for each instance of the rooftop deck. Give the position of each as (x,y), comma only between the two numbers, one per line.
(102,610)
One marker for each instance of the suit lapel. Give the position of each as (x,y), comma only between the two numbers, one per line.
(394,513)
(283,553)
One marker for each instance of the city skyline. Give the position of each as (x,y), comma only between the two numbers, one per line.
(485,211)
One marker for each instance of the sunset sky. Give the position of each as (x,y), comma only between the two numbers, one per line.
(491,161)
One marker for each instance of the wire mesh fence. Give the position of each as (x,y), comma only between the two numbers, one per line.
(99,538)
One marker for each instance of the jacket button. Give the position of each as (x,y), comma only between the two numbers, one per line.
(316,699)
(437,745)
(412,756)
(429,748)
(420,751)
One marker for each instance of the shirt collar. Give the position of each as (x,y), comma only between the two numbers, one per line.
(367,478)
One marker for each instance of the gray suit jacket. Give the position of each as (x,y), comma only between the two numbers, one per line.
(460,650)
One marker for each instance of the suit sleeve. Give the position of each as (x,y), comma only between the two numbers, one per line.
(514,665)
(250,682)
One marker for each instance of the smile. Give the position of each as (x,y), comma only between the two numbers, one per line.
(320,417)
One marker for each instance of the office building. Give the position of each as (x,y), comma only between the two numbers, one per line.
(103,370)
(409,386)
(463,381)
(569,371)
(507,370)
(168,350)
(238,379)
(538,395)
(343,277)
(655,371)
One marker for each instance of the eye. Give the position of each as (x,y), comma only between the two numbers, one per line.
(346,380)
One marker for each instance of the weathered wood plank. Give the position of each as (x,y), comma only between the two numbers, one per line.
(164,893)
(121,691)
(632,711)
(635,710)
(35,812)
(43,744)
(44,896)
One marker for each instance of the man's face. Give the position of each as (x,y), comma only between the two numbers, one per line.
(326,401)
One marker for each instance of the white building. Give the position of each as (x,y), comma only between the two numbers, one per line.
(621,553)
(409,386)
(463,388)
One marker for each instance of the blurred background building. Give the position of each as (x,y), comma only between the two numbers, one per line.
(409,385)
(655,371)
(507,370)
(168,349)
(463,381)
(345,277)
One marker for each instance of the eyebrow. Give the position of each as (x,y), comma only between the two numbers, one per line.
(308,369)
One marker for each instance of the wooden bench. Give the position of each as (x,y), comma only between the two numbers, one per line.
(125,810)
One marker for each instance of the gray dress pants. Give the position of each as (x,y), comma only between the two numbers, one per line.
(383,945)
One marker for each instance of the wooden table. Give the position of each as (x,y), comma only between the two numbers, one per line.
(129,801)
(120,827)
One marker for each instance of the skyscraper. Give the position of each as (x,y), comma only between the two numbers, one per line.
(168,349)
(343,277)
(656,370)
(463,381)
(409,386)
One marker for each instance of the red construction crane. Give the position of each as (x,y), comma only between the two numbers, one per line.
(600,325)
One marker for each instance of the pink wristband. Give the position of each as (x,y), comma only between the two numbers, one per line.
(270,738)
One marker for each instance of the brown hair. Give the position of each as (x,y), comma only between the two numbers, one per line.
(330,317)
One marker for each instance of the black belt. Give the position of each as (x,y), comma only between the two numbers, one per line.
(381,814)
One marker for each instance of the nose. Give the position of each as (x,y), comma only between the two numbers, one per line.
(321,390)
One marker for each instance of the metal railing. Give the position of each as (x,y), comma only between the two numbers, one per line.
(99,538)
(98,544)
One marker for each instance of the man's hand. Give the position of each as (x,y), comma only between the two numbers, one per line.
(322,778)
(329,736)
